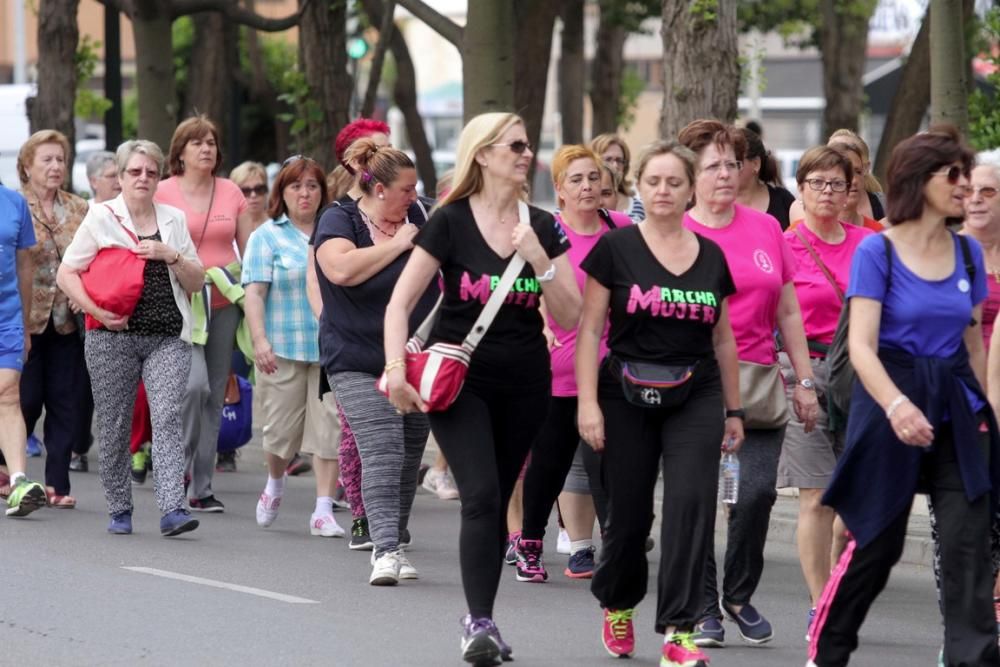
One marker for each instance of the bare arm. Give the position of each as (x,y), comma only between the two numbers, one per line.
(993,371)
(25,282)
(724,343)
(345,264)
(244,226)
(253,309)
(420,269)
(907,420)
(312,284)
(793,334)
(977,350)
(590,419)
(561,293)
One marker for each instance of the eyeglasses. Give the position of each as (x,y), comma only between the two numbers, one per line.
(259,190)
(620,161)
(516,146)
(986,192)
(151,174)
(952,173)
(819,184)
(730,165)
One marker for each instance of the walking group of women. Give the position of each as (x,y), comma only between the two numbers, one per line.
(637,334)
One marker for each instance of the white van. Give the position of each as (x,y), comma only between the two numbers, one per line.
(14,129)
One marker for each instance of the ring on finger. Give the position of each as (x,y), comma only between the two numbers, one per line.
(906,432)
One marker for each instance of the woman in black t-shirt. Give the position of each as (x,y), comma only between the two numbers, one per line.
(664,290)
(760,185)
(361,248)
(486,433)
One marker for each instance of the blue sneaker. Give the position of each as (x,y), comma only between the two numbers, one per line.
(754,628)
(34,446)
(709,633)
(809,624)
(177,522)
(121,524)
(581,564)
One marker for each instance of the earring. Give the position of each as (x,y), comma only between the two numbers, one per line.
(381,196)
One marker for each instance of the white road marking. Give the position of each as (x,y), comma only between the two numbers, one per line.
(280,597)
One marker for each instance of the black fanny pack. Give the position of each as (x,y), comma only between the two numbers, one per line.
(649,385)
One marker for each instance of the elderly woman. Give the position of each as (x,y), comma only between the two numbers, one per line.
(102,174)
(152,343)
(251,179)
(487,432)
(615,153)
(762,268)
(219,224)
(286,345)
(55,374)
(920,419)
(760,181)
(823,246)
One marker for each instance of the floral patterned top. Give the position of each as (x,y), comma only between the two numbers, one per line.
(53,236)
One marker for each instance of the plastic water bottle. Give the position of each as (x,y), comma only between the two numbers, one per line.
(729,478)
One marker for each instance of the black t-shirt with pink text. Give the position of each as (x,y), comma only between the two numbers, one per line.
(657,316)
(513,349)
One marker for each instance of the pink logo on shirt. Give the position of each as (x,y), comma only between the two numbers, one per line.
(763,261)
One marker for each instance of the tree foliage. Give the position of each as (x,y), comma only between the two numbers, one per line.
(88,104)
(984,114)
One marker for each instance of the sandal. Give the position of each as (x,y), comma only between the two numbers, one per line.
(59,502)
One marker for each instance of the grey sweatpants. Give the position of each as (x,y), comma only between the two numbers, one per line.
(390,446)
(206,390)
(116,361)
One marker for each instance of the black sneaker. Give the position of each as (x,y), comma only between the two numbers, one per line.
(361,540)
(225,462)
(206,504)
(299,465)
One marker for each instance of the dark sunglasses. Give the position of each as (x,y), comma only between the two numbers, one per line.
(516,146)
(259,190)
(952,173)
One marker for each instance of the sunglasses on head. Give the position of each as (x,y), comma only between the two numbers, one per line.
(259,190)
(516,146)
(294,158)
(952,173)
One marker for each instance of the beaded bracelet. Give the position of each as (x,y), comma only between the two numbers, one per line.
(896,402)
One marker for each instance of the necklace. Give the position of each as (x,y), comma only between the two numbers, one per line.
(368,219)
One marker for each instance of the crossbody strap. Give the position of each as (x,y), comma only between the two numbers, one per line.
(122,223)
(970,269)
(820,264)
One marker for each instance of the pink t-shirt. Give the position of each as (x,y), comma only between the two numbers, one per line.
(818,300)
(580,245)
(990,307)
(760,263)
(215,240)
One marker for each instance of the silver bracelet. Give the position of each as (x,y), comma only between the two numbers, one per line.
(896,402)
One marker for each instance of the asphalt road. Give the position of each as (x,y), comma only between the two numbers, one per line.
(72,595)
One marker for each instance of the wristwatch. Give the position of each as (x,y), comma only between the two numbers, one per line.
(807,383)
(548,275)
(739,413)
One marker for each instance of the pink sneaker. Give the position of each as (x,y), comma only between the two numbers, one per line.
(679,650)
(618,635)
(529,561)
(267,509)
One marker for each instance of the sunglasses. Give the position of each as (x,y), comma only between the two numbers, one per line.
(294,158)
(986,192)
(259,190)
(151,174)
(952,173)
(516,146)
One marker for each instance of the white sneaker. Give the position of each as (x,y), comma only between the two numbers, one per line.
(563,543)
(440,483)
(385,569)
(267,509)
(406,569)
(324,525)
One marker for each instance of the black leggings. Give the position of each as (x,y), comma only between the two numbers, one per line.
(486,435)
(551,458)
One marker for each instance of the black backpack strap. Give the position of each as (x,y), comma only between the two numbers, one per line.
(888,260)
(970,268)
(606,217)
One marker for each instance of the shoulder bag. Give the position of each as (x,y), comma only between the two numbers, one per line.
(438,372)
(115,278)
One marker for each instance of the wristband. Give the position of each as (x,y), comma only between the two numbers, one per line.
(177,258)
(896,402)
(739,413)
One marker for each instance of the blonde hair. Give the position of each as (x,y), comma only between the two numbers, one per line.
(567,155)
(247,170)
(853,141)
(377,164)
(27,153)
(603,142)
(477,134)
(339,182)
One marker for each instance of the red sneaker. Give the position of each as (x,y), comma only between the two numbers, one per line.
(618,635)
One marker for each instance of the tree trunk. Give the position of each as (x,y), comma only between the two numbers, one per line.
(378,59)
(949,100)
(209,80)
(405,95)
(843,39)
(535,23)
(572,71)
(606,76)
(154,76)
(52,108)
(701,72)
(488,58)
(323,59)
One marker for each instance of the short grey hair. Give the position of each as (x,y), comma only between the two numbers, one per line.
(97,161)
(142,147)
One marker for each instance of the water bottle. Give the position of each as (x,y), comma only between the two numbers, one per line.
(729,478)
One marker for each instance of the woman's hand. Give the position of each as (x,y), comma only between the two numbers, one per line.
(402,395)
(111,321)
(264,357)
(550,338)
(74,307)
(404,236)
(732,437)
(911,426)
(526,245)
(806,406)
(590,424)
(155,250)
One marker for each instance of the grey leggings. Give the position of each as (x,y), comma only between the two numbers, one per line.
(390,446)
(206,390)
(117,360)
